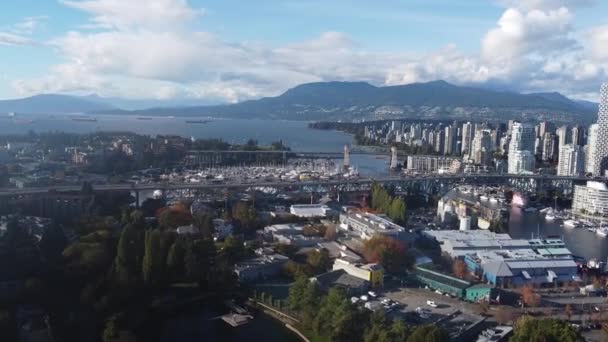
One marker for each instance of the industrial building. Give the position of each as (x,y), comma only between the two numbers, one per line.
(503,261)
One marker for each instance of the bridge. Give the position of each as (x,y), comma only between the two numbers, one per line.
(425,183)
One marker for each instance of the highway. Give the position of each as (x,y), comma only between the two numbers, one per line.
(278,183)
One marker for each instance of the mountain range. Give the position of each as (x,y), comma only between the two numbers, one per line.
(341,101)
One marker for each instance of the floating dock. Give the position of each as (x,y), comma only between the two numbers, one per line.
(236,320)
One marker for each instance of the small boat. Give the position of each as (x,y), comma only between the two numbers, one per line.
(483,197)
(602,231)
(493,200)
(84,119)
(570,224)
(143,118)
(549,217)
(197,121)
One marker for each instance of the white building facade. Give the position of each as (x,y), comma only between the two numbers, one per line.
(571,160)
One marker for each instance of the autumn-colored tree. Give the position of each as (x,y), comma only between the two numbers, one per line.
(392,254)
(503,316)
(331,234)
(174,216)
(460,269)
(568,311)
(529,297)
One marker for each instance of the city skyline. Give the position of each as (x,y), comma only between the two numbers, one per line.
(170,49)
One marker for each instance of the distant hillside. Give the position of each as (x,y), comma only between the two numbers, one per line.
(52,104)
(360,100)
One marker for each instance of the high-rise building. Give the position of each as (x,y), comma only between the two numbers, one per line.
(600,158)
(571,160)
(467,137)
(549,146)
(521,148)
(439,141)
(591,149)
(543,127)
(578,135)
(481,148)
(450,140)
(522,137)
(562,136)
(521,162)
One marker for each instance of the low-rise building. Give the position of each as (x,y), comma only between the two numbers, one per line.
(291,234)
(260,268)
(373,273)
(591,199)
(309,210)
(366,225)
(341,279)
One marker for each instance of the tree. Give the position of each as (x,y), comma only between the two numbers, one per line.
(205,225)
(175,259)
(503,316)
(152,262)
(198,260)
(529,297)
(387,251)
(245,216)
(377,331)
(331,234)
(460,269)
(428,333)
(568,311)
(129,255)
(397,211)
(398,331)
(174,216)
(546,330)
(319,260)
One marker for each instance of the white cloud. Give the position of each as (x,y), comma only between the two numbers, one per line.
(598,38)
(7,38)
(528,5)
(519,33)
(28,25)
(125,14)
(143,49)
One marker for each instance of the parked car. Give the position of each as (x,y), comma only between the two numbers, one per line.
(372,294)
(431,303)
(354,300)
(364,298)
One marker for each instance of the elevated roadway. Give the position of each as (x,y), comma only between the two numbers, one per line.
(464,178)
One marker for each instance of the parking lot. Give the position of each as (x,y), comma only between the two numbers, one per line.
(413,298)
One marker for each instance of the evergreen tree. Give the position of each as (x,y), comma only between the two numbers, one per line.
(152,263)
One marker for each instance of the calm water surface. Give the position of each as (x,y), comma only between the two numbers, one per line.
(580,241)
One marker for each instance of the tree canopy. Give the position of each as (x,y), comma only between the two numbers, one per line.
(529,329)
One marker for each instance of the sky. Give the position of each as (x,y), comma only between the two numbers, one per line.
(230,51)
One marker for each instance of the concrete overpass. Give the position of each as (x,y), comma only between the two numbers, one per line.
(430,179)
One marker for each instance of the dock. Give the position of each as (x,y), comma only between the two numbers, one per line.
(236,320)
